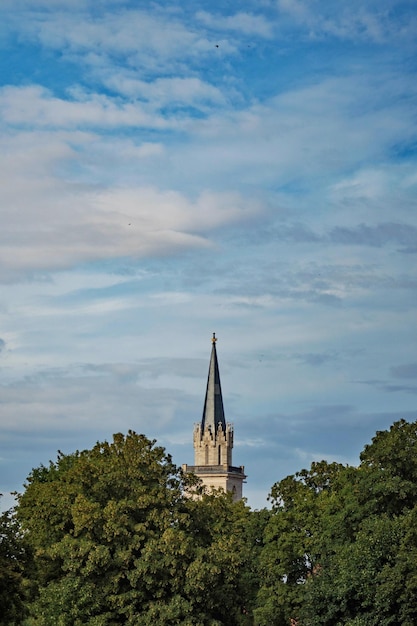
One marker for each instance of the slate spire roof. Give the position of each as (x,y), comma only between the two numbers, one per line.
(213,413)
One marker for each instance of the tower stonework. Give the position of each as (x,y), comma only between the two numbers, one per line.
(213,440)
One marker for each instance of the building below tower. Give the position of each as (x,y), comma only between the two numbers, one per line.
(213,440)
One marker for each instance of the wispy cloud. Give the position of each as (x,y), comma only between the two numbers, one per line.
(404,235)
(55,223)
(351,21)
(152,34)
(168,93)
(388,387)
(36,106)
(243,23)
(378,235)
(176,169)
(408,370)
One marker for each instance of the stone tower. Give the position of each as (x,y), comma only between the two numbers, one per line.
(213,439)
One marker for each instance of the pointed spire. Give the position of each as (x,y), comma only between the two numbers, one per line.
(213,413)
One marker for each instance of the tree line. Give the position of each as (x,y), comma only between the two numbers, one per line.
(110,536)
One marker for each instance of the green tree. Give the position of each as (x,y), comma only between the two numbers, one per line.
(340,547)
(368,571)
(389,468)
(14,558)
(294,541)
(117,542)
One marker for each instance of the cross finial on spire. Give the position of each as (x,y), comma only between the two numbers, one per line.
(214,338)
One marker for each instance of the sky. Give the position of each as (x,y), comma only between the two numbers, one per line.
(173,169)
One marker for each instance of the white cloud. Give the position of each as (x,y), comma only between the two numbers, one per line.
(55,219)
(155,35)
(244,23)
(297,8)
(152,210)
(312,134)
(165,91)
(51,223)
(35,105)
(167,159)
(371,21)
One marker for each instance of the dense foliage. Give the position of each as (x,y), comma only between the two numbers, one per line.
(110,536)
(14,559)
(117,542)
(341,544)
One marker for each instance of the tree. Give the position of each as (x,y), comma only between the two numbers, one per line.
(340,546)
(117,542)
(389,468)
(368,573)
(14,557)
(294,541)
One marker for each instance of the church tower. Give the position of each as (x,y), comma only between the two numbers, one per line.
(213,439)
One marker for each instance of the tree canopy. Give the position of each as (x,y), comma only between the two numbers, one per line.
(340,546)
(111,536)
(14,559)
(118,541)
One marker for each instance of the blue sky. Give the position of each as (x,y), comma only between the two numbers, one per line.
(174,169)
